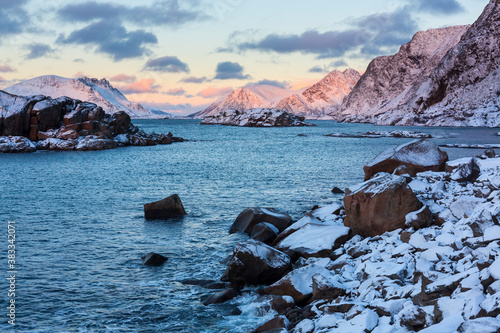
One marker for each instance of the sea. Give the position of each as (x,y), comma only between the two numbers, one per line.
(80,230)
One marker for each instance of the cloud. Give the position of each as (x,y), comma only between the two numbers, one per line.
(212,92)
(111,38)
(194,79)
(140,87)
(328,68)
(39,50)
(184,108)
(123,78)
(160,13)
(79,74)
(79,60)
(440,7)
(175,92)
(274,83)
(230,70)
(13,17)
(6,69)
(369,35)
(166,64)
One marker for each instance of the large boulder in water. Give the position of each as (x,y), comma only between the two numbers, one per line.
(164,209)
(254,262)
(379,205)
(252,216)
(416,156)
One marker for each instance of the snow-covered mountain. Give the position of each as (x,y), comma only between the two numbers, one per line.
(453,79)
(323,97)
(100,92)
(249,97)
(388,78)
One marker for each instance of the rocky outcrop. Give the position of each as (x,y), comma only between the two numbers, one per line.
(379,205)
(250,217)
(255,118)
(254,262)
(68,124)
(16,144)
(164,209)
(323,97)
(383,134)
(153,259)
(415,156)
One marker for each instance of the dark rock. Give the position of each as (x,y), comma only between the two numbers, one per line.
(337,190)
(276,324)
(264,232)
(74,117)
(281,304)
(248,218)
(16,144)
(91,143)
(164,209)
(468,172)
(221,296)
(419,219)
(153,259)
(121,122)
(323,289)
(254,262)
(379,205)
(236,312)
(67,133)
(490,153)
(414,321)
(418,156)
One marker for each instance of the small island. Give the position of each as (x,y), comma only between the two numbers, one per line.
(259,117)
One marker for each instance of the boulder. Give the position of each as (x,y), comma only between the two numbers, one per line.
(15,114)
(490,153)
(153,259)
(164,209)
(337,190)
(73,117)
(121,122)
(49,113)
(379,205)
(298,283)
(314,240)
(323,288)
(421,218)
(221,296)
(16,144)
(277,324)
(264,232)
(56,144)
(92,143)
(248,218)
(417,156)
(67,133)
(258,117)
(254,262)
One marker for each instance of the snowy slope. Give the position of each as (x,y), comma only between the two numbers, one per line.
(323,97)
(388,78)
(100,92)
(249,97)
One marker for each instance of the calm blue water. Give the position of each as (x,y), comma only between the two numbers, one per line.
(80,228)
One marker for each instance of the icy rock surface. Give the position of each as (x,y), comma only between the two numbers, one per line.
(255,118)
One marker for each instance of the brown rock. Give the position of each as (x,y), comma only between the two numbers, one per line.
(67,133)
(91,126)
(379,205)
(326,289)
(221,296)
(281,303)
(264,232)
(121,121)
(254,262)
(252,216)
(74,117)
(164,209)
(417,156)
(275,325)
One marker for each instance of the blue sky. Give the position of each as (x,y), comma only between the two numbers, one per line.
(182,55)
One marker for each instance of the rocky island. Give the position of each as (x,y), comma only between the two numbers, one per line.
(404,251)
(39,122)
(259,117)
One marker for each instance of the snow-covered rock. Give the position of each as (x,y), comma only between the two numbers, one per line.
(99,92)
(416,156)
(16,144)
(248,218)
(255,118)
(384,134)
(254,262)
(323,97)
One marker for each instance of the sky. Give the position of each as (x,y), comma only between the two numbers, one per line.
(180,56)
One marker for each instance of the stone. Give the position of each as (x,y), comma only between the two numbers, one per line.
(67,133)
(49,113)
(259,117)
(153,259)
(417,156)
(421,218)
(73,117)
(92,143)
(164,209)
(324,289)
(221,296)
(16,144)
(281,303)
(490,153)
(337,190)
(121,121)
(277,324)
(264,232)
(248,218)
(136,140)
(254,262)
(379,205)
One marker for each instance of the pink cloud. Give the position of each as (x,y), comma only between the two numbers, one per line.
(6,69)
(212,92)
(79,74)
(123,78)
(140,87)
(175,92)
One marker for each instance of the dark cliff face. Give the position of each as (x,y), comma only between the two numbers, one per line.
(470,61)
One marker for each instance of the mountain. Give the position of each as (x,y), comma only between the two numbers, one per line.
(388,78)
(323,97)
(100,92)
(249,97)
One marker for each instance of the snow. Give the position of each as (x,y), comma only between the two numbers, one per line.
(258,117)
(426,154)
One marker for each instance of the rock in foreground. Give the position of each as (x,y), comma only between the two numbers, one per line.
(416,156)
(255,118)
(164,209)
(250,217)
(153,259)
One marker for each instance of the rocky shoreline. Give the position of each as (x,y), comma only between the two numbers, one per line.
(413,248)
(259,117)
(39,122)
